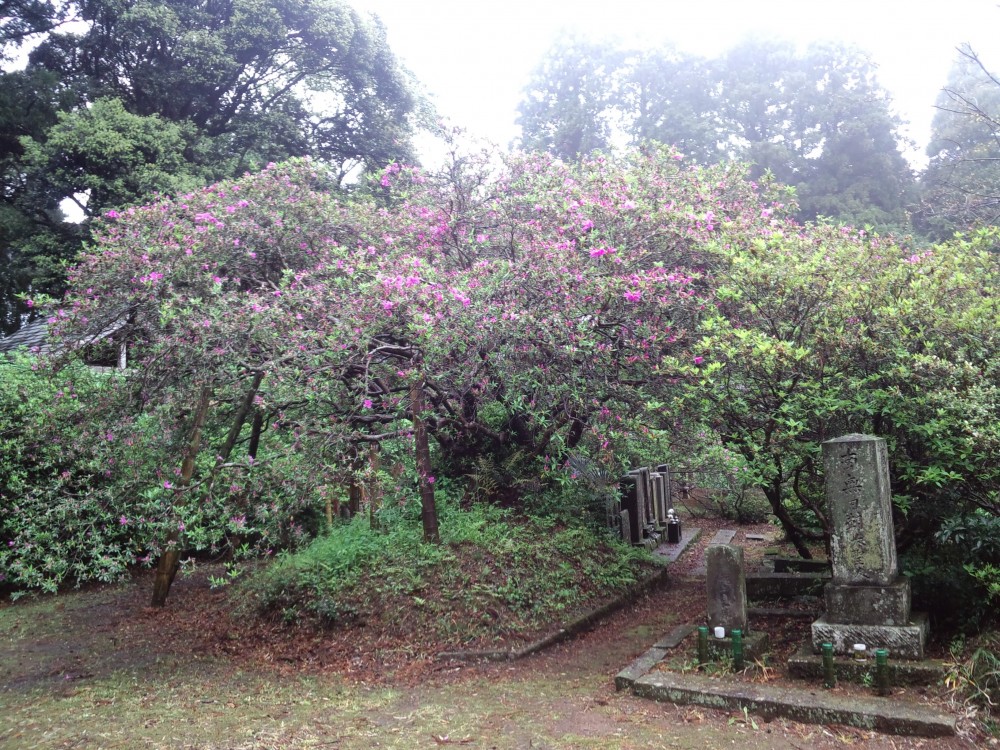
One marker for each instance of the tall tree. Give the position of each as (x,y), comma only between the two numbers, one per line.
(961,185)
(817,120)
(567,106)
(162,95)
(820,122)
(668,98)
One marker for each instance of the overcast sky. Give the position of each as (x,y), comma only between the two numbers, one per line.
(475,56)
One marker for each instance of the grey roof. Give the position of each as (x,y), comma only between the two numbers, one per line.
(32,336)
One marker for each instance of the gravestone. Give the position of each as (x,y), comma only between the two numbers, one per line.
(727,587)
(625,527)
(645,490)
(613,515)
(727,603)
(659,499)
(867,601)
(664,471)
(631,506)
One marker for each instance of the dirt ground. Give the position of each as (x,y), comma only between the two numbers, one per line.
(99,669)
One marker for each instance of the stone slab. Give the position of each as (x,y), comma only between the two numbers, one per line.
(785,585)
(631,501)
(809,706)
(806,665)
(625,679)
(902,641)
(863,544)
(674,637)
(799,565)
(869,605)
(723,536)
(670,552)
(799,614)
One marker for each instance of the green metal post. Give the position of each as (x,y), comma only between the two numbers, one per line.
(881,671)
(702,645)
(738,650)
(829,670)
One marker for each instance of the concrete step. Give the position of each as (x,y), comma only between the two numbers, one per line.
(808,705)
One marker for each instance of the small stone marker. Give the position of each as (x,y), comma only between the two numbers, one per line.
(727,587)
(723,536)
(626,527)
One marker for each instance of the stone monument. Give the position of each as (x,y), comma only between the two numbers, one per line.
(631,512)
(727,587)
(867,601)
(727,602)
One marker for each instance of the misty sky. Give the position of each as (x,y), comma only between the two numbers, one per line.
(475,56)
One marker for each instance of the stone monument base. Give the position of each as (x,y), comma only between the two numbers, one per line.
(755,647)
(868,604)
(902,641)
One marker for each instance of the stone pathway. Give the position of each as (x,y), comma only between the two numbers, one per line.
(670,552)
(722,536)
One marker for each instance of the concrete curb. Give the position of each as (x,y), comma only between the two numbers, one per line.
(809,706)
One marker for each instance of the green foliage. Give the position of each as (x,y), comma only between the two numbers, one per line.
(956,575)
(565,108)
(816,120)
(974,677)
(86,498)
(825,332)
(112,155)
(163,96)
(58,518)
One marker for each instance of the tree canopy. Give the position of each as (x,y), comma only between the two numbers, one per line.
(817,120)
(161,96)
(961,185)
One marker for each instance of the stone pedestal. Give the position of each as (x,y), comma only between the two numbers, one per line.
(852,604)
(867,601)
(755,647)
(902,641)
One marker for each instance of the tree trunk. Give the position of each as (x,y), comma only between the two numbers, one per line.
(239,419)
(428,511)
(169,561)
(375,495)
(792,531)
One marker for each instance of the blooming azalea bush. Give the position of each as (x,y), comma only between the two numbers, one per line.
(278,327)
(540,311)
